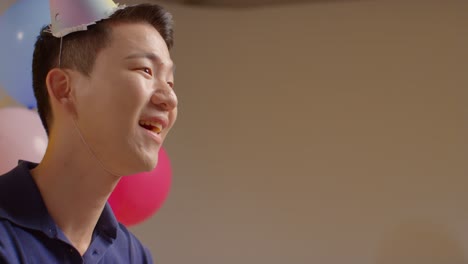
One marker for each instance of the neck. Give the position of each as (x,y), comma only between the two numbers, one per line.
(75,189)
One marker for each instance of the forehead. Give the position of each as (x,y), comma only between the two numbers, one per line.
(128,38)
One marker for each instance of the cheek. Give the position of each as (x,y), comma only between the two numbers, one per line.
(128,94)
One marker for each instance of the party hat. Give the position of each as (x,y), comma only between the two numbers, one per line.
(69,16)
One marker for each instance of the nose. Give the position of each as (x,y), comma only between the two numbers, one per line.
(164,97)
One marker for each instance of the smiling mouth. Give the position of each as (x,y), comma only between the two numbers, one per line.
(151,126)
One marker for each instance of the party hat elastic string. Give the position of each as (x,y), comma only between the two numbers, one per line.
(60,53)
(90,150)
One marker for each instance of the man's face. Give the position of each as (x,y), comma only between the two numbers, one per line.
(127,99)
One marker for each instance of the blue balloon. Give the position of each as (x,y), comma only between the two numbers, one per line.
(19,28)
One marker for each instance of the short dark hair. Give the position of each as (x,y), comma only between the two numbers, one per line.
(79,49)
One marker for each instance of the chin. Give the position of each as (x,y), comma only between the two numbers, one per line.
(149,163)
(141,160)
(137,166)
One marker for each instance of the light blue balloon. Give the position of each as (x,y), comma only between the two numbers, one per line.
(19,28)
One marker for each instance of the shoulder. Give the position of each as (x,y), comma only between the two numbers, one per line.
(10,248)
(138,252)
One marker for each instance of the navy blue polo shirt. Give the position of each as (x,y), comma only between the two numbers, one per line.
(29,235)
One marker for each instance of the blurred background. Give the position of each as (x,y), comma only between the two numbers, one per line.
(315,132)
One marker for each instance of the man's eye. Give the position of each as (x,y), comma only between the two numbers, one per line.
(147,70)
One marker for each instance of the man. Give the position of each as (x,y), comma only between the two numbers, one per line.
(105,96)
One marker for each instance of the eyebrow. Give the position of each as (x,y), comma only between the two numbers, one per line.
(150,56)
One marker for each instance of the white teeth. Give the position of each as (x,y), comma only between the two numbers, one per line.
(155,126)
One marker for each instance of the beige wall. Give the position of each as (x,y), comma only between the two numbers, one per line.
(323,133)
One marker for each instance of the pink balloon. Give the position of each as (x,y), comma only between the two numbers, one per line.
(22,136)
(137,197)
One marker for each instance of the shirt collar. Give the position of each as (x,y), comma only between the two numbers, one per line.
(21,203)
(107,222)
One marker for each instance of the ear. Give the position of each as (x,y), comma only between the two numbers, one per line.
(58,83)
